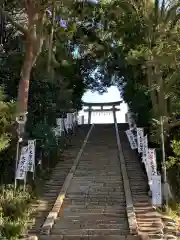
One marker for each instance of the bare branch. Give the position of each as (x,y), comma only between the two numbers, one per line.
(11,20)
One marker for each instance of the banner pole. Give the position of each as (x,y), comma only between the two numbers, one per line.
(34,163)
(26,171)
(164,163)
(16,165)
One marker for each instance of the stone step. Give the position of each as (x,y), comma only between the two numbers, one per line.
(104,185)
(95,182)
(94,195)
(96,224)
(94,218)
(52,186)
(101,186)
(94,201)
(77,237)
(85,212)
(94,209)
(95,192)
(88,231)
(94,174)
(98,178)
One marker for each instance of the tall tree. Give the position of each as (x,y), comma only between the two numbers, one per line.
(31,19)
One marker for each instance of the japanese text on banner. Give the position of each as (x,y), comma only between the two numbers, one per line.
(130,119)
(23,164)
(134,132)
(59,122)
(140,139)
(156,190)
(66,124)
(131,139)
(69,120)
(152,166)
(145,149)
(152,161)
(31,155)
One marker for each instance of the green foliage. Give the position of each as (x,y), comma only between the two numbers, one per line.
(7,110)
(175,159)
(139,102)
(15,212)
(44,133)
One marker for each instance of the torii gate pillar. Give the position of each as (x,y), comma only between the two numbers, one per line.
(89,114)
(114,114)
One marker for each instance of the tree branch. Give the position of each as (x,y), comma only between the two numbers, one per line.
(174,124)
(172,79)
(10,19)
(54,61)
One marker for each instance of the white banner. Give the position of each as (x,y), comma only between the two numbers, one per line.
(131,139)
(151,165)
(152,160)
(55,131)
(134,138)
(140,139)
(145,150)
(134,132)
(31,155)
(23,164)
(59,131)
(156,190)
(80,120)
(65,124)
(59,122)
(75,118)
(130,119)
(69,121)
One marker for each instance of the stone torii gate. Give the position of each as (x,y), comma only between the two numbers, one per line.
(113,109)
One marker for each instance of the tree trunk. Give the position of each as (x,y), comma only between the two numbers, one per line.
(23,91)
(162,102)
(150,85)
(51,40)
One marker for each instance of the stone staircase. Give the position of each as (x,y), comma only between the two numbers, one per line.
(148,219)
(94,201)
(94,206)
(53,186)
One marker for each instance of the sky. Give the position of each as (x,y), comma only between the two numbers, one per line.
(111,96)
